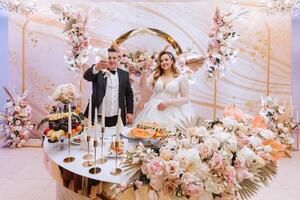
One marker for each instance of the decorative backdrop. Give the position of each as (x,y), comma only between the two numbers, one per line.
(42,44)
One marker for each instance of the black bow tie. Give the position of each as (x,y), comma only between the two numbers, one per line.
(113,71)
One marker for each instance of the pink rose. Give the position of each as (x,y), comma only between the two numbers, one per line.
(172,170)
(243,141)
(217,160)
(205,151)
(156,167)
(23,103)
(231,177)
(193,189)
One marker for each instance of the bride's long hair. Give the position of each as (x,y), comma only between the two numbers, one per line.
(159,71)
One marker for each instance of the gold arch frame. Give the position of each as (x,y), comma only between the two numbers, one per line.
(150,31)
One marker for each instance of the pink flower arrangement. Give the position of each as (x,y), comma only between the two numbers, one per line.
(156,167)
(214,165)
(220,51)
(16,120)
(76,34)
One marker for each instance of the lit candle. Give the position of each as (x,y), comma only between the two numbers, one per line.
(118,126)
(70,120)
(291,106)
(90,117)
(95,124)
(103,113)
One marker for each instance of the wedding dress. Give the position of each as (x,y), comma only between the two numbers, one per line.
(175,95)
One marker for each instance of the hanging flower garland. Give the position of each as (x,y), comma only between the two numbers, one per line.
(19,6)
(76,35)
(220,51)
(16,120)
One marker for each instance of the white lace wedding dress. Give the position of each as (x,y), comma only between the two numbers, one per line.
(175,95)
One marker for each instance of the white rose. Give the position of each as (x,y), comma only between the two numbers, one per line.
(213,143)
(255,141)
(202,131)
(211,186)
(203,171)
(255,161)
(267,148)
(280,126)
(230,123)
(266,134)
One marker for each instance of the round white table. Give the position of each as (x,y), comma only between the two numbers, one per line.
(73,180)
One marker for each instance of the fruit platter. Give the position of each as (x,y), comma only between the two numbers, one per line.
(57,121)
(147,131)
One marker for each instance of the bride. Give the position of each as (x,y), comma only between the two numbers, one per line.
(169,102)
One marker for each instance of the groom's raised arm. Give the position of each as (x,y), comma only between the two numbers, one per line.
(90,74)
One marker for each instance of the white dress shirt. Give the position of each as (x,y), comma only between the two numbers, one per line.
(111,94)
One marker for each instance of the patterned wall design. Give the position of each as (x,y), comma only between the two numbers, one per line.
(188,22)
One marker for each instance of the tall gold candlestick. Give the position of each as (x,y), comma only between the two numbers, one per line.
(69,159)
(88,156)
(102,160)
(116,171)
(95,169)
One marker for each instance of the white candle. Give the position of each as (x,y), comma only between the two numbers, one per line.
(70,120)
(95,124)
(284,102)
(297,118)
(103,113)
(118,126)
(291,106)
(262,100)
(89,117)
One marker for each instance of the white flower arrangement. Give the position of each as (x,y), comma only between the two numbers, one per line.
(211,162)
(66,93)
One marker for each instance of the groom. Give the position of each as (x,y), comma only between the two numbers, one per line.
(112,82)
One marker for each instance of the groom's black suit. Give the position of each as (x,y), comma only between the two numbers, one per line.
(99,86)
